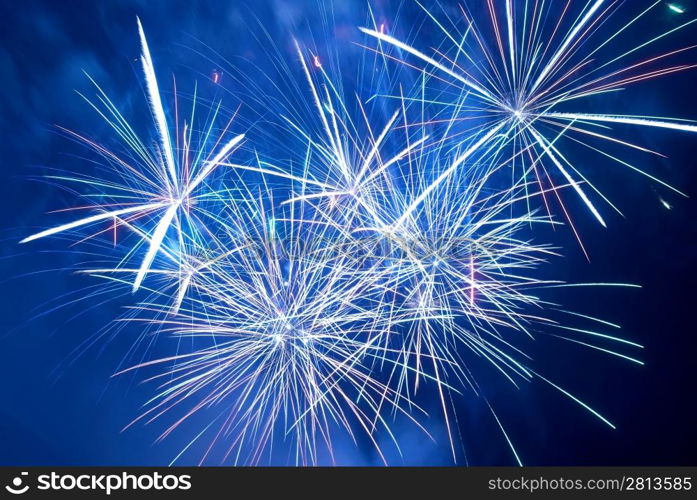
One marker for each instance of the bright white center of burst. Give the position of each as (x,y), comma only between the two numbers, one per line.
(516,108)
(291,333)
(519,114)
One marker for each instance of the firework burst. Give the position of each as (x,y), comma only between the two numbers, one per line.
(520,69)
(292,322)
(156,187)
(388,261)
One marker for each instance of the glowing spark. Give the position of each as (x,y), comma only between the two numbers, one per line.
(389,39)
(90,220)
(628,120)
(156,106)
(565,44)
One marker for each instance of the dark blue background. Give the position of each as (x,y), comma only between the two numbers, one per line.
(56,408)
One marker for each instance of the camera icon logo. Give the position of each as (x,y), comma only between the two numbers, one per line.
(16,487)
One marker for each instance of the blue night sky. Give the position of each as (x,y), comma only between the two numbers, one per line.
(59,404)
